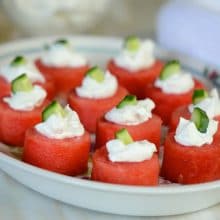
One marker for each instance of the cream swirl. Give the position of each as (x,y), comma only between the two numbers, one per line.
(188,135)
(141,59)
(131,114)
(60,127)
(134,152)
(26,101)
(176,84)
(90,88)
(58,55)
(10,72)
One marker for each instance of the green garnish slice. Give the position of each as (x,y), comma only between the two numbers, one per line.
(200,119)
(53,108)
(124,136)
(132,43)
(62,42)
(127,100)
(171,67)
(17,61)
(21,84)
(96,73)
(199,95)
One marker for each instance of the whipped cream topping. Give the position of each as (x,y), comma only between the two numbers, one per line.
(141,59)
(59,127)
(134,152)
(58,55)
(211,104)
(26,101)
(131,114)
(188,135)
(10,72)
(179,83)
(90,88)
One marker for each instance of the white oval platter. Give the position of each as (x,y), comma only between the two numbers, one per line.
(116,199)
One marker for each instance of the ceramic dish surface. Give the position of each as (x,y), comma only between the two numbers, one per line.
(165,199)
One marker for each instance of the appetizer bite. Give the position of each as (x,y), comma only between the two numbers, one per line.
(136,65)
(59,143)
(173,88)
(209,103)
(134,115)
(18,66)
(64,65)
(124,161)
(21,110)
(98,93)
(192,152)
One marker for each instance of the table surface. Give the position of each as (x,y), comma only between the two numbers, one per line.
(20,203)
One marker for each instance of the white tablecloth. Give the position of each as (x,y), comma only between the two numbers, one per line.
(20,203)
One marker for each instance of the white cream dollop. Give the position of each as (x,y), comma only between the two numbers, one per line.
(131,114)
(59,127)
(90,88)
(134,152)
(188,135)
(211,104)
(10,72)
(176,84)
(61,56)
(133,61)
(26,101)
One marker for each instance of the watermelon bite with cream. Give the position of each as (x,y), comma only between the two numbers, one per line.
(136,66)
(63,64)
(21,110)
(128,162)
(59,143)
(98,93)
(134,115)
(18,66)
(192,152)
(173,88)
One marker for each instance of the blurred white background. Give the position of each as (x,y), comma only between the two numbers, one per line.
(20,18)
(187,26)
